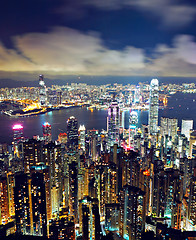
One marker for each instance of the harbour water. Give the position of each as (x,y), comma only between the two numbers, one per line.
(180,106)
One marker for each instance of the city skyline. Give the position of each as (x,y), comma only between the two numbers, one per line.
(97,38)
(133,180)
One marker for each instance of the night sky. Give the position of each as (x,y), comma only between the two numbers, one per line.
(97,38)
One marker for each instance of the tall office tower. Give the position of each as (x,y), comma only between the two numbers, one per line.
(81,137)
(17,133)
(52,158)
(4,201)
(122,118)
(38,196)
(137,94)
(32,154)
(22,199)
(169,126)
(113,124)
(47,135)
(92,144)
(153,107)
(72,132)
(132,213)
(187,125)
(133,121)
(17,138)
(42,91)
(89,219)
(73,189)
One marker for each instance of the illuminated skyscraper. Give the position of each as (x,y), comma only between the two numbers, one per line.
(73,189)
(32,154)
(153,107)
(72,132)
(113,124)
(81,133)
(47,135)
(187,125)
(169,127)
(23,210)
(133,121)
(42,91)
(17,138)
(4,201)
(132,212)
(38,196)
(18,133)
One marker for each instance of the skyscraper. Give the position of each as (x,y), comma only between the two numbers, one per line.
(23,210)
(47,135)
(187,125)
(133,121)
(42,91)
(153,106)
(32,154)
(113,124)
(89,219)
(17,138)
(132,212)
(18,133)
(72,132)
(81,132)
(38,196)
(169,127)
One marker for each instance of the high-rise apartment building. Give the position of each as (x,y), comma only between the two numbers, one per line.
(132,213)
(89,219)
(32,154)
(22,199)
(38,196)
(153,107)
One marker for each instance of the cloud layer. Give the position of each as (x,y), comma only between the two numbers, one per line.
(171,14)
(65,51)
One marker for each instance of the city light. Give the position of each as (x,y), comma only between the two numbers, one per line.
(17,127)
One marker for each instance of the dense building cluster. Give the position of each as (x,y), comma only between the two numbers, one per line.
(87,184)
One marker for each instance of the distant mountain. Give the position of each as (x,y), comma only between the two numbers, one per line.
(93,80)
